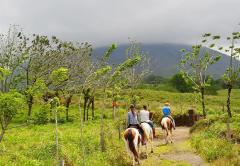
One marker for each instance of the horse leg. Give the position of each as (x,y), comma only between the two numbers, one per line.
(151,142)
(146,149)
(166,136)
(151,146)
(171,136)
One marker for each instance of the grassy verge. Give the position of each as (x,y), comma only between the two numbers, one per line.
(209,140)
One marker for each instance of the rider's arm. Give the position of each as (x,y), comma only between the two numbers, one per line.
(138,117)
(128,118)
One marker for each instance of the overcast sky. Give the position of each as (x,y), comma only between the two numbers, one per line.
(102,22)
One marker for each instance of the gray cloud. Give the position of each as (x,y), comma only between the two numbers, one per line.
(104,21)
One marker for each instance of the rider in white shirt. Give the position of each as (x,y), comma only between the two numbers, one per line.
(144,117)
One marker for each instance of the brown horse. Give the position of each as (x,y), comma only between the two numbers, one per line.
(167,125)
(132,139)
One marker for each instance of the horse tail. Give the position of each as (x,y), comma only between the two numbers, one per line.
(165,125)
(129,136)
(146,133)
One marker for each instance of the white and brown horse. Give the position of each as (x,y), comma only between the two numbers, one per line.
(167,125)
(132,139)
(148,135)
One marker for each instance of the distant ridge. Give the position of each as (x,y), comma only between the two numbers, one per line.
(164,58)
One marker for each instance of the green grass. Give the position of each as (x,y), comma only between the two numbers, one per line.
(35,144)
(209,139)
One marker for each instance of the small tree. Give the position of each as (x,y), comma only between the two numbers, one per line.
(194,66)
(12,52)
(77,59)
(232,73)
(181,84)
(10,104)
(41,59)
(135,74)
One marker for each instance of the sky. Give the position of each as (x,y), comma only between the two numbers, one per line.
(102,22)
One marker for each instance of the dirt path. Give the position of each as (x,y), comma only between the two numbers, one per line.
(179,153)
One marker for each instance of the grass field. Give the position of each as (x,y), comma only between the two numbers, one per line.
(29,144)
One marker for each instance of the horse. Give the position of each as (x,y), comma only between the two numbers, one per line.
(167,125)
(148,134)
(132,139)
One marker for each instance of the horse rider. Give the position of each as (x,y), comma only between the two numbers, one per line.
(145,117)
(167,112)
(132,120)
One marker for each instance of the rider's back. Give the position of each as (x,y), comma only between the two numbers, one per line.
(132,118)
(144,116)
(166,111)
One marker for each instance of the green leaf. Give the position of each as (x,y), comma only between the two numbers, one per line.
(216,37)
(211,45)
(207,35)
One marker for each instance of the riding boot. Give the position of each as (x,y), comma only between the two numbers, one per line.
(154,134)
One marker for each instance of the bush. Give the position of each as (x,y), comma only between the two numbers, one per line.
(41,117)
(202,124)
(181,84)
(212,148)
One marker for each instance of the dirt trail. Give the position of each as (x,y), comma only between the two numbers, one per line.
(179,153)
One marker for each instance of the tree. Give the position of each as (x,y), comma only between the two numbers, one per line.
(12,52)
(38,60)
(232,73)
(181,83)
(135,74)
(194,66)
(77,59)
(10,104)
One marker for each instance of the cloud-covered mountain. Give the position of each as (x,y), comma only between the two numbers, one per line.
(164,58)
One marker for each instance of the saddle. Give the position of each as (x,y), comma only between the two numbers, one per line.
(138,127)
(168,118)
(150,124)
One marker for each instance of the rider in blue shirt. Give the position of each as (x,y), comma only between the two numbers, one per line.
(167,112)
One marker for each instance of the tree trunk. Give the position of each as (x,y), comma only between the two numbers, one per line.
(102,141)
(1,135)
(56,134)
(81,129)
(119,124)
(114,111)
(92,108)
(68,101)
(30,104)
(88,106)
(203,102)
(84,108)
(228,134)
(229,101)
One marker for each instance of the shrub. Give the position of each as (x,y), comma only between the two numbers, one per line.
(41,117)
(212,148)
(202,124)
